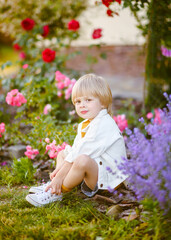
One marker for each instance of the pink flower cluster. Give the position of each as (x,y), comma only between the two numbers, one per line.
(157,117)
(15,98)
(47,109)
(31,153)
(64,84)
(2,128)
(54,149)
(121,121)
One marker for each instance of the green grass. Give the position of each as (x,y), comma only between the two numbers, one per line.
(73,218)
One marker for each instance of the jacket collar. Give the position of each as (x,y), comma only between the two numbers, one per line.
(102,113)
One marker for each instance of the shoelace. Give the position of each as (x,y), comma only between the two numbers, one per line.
(43,196)
(45,185)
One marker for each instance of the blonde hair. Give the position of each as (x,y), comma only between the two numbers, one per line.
(91,84)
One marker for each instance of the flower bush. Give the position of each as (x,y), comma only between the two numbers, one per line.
(2,128)
(149,166)
(54,149)
(31,153)
(15,98)
(121,121)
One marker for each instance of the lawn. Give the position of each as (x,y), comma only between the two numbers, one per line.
(72,218)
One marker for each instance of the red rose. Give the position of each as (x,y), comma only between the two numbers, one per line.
(17,47)
(119,1)
(73,25)
(109,13)
(28,24)
(97,33)
(48,55)
(45,30)
(107,2)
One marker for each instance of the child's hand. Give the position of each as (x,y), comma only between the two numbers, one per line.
(53,174)
(55,186)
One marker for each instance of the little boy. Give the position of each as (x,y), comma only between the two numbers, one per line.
(97,150)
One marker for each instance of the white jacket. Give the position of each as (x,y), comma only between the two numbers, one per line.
(104,143)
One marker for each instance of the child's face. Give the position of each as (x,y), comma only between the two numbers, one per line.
(88,107)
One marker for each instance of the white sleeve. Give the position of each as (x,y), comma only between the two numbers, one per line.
(95,142)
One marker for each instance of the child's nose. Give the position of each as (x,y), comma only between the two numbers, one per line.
(83,103)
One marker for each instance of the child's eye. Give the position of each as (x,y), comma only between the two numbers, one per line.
(77,101)
(88,99)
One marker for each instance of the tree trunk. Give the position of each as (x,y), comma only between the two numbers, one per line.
(157,66)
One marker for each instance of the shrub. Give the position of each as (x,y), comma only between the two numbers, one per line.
(149,166)
(23,170)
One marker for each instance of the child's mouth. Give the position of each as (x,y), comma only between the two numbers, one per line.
(84,112)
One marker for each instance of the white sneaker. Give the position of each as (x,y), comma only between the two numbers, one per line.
(43,198)
(39,189)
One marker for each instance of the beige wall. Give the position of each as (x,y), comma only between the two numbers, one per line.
(117,30)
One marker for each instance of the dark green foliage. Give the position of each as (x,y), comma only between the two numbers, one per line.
(156,29)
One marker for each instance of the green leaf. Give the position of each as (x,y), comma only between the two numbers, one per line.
(103,55)
(7,64)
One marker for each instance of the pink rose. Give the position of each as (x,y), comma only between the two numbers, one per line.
(47,109)
(59,93)
(22,55)
(47,140)
(149,115)
(15,98)
(2,128)
(25,66)
(121,121)
(157,118)
(31,153)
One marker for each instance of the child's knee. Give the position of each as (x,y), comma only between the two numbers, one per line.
(61,155)
(82,161)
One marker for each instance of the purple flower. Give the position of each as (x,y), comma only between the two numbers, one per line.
(4,163)
(149,166)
